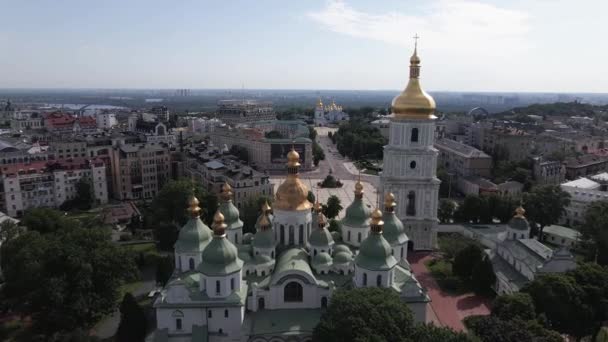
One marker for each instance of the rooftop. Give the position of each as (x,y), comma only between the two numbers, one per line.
(583,183)
(562,231)
(460,148)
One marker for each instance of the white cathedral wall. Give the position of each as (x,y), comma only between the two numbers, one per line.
(209,284)
(166,318)
(311,298)
(350,235)
(298,220)
(182,260)
(386,281)
(419,311)
(230,325)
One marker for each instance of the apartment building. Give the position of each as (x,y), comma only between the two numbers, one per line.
(50,183)
(463,160)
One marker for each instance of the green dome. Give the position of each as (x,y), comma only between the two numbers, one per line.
(262,259)
(320,237)
(519,223)
(343,257)
(220,257)
(393,229)
(321,259)
(342,248)
(375,254)
(247,238)
(264,239)
(231,215)
(357,214)
(193,237)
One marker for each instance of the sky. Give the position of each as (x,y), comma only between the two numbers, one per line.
(465,45)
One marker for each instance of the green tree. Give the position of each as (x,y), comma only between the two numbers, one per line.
(46,220)
(518,305)
(67,279)
(333,207)
(432,333)
(366,314)
(9,230)
(593,279)
(594,232)
(501,207)
(545,205)
(250,212)
(317,153)
(85,196)
(310,197)
(240,152)
(133,323)
(493,329)
(482,275)
(562,300)
(465,260)
(446,211)
(274,135)
(171,202)
(334,225)
(473,209)
(164,269)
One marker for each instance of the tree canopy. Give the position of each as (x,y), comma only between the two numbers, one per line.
(545,205)
(333,207)
(594,231)
(375,314)
(66,279)
(133,323)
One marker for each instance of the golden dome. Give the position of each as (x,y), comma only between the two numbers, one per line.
(226,193)
(293,158)
(376,218)
(193,207)
(413,102)
(218,223)
(358,187)
(266,207)
(321,220)
(318,207)
(520,211)
(292,194)
(319,103)
(264,221)
(389,200)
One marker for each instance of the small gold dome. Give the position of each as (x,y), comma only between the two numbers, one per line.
(218,223)
(389,200)
(358,187)
(321,219)
(226,193)
(520,211)
(319,103)
(318,207)
(193,207)
(264,221)
(413,102)
(293,158)
(266,207)
(376,218)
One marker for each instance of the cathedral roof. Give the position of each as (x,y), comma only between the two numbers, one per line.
(342,248)
(228,209)
(413,102)
(220,257)
(357,214)
(375,253)
(194,235)
(293,259)
(342,258)
(321,259)
(264,239)
(393,230)
(519,221)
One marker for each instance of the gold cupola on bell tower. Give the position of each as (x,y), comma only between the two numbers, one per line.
(413,102)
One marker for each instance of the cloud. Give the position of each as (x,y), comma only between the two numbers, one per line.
(444,25)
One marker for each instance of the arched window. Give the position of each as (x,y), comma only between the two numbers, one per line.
(191,263)
(232,283)
(261,303)
(413,164)
(226,313)
(401,252)
(209,314)
(379,281)
(178,315)
(272,254)
(293,292)
(301,234)
(315,252)
(236,238)
(414,137)
(291,235)
(348,238)
(364,279)
(217,286)
(411,204)
(358,237)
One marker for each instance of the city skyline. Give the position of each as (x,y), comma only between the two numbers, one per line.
(464,45)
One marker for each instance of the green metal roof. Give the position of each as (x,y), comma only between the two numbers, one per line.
(320,237)
(292,259)
(342,248)
(393,229)
(220,257)
(321,259)
(375,254)
(264,239)
(193,237)
(231,215)
(357,214)
(343,257)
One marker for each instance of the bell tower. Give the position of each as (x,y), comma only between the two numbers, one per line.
(410,161)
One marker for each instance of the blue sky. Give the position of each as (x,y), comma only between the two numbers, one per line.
(517,45)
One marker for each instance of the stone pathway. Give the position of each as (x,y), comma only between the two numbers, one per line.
(446,309)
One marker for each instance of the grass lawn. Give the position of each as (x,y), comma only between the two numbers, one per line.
(441,270)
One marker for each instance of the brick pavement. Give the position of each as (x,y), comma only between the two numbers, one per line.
(447,309)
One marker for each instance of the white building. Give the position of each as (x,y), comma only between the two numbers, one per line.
(410,161)
(42,184)
(331,113)
(582,192)
(106,120)
(561,236)
(273,286)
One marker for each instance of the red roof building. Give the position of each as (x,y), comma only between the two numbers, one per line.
(59,122)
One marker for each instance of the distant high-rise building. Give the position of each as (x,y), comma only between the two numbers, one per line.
(234,112)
